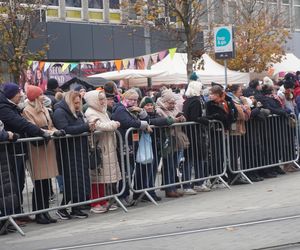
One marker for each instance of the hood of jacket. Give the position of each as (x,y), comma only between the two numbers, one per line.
(92,100)
(63,105)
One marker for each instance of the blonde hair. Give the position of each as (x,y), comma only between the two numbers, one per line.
(59,96)
(70,97)
(130,93)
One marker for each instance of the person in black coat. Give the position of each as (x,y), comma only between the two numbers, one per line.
(253,89)
(8,191)
(220,107)
(10,115)
(278,144)
(74,152)
(52,89)
(193,109)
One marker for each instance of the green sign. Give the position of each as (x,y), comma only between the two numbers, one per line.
(223,37)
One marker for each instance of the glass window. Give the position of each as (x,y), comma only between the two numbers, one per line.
(131,12)
(297,17)
(96,4)
(218,12)
(296,2)
(232,8)
(114,4)
(53,3)
(73,3)
(204,11)
(286,1)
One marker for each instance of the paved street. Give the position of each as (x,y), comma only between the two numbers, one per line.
(265,215)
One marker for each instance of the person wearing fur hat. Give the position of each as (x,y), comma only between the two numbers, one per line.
(174,142)
(146,173)
(10,115)
(194,109)
(109,173)
(42,158)
(129,115)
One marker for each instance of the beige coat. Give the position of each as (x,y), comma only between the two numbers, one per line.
(42,160)
(110,171)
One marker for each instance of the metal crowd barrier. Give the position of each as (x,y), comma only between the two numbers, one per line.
(181,163)
(72,155)
(266,143)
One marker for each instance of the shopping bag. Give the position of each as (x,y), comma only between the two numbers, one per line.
(144,154)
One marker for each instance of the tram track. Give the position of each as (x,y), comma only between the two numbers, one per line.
(193,231)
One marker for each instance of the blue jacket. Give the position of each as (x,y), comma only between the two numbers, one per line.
(127,120)
(13,121)
(73,153)
(64,119)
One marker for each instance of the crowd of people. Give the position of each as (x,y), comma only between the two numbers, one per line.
(99,113)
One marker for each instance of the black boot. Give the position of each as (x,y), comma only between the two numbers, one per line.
(50,219)
(41,219)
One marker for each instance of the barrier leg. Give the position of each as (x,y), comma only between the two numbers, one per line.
(246,178)
(15,225)
(220,179)
(150,198)
(241,174)
(121,204)
(296,164)
(224,182)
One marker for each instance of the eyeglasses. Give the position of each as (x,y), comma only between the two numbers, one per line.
(133,100)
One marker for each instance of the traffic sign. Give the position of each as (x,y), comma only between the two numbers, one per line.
(224,46)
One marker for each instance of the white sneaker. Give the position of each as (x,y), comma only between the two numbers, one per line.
(219,185)
(189,191)
(111,207)
(202,188)
(98,209)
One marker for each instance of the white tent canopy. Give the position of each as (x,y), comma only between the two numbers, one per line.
(128,74)
(214,72)
(173,71)
(290,63)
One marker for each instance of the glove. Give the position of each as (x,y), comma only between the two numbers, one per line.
(143,114)
(15,137)
(46,136)
(59,133)
(144,125)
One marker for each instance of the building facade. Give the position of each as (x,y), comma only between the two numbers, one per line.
(70,17)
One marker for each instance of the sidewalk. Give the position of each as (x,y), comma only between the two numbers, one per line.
(272,197)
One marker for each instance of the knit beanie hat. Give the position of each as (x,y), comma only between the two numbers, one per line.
(145,101)
(33,92)
(10,90)
(194,89)
(194,76)
(52,84)
(167,95)
(268,81)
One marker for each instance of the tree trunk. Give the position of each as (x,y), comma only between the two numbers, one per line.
(189,64)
